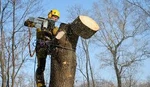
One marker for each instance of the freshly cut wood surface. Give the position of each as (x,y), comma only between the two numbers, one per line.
(84,26)
(89,22)
(60,35)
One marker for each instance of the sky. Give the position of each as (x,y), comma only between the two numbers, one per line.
(62,6)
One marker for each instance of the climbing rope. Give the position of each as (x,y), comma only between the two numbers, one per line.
(31,54)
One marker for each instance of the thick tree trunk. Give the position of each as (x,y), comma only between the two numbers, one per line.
(63,59)
(118,76)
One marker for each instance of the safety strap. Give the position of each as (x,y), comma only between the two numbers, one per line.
(52,45)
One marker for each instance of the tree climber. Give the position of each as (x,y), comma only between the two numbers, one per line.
(44,44)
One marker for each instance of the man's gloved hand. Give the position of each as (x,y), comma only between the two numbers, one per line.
(29,23)
(55,30)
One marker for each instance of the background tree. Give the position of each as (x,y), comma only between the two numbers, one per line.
(122,29)
(14,38)
(100,83)
(144,7)
(83,50)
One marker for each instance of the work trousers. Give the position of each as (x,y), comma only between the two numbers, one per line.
(41,54)
(43,48)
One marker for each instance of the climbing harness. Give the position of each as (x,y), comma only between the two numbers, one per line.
(48,45)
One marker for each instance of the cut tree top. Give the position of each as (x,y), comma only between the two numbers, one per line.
(89,22)
(84,26)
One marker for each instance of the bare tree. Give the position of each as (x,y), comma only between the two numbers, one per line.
(145,8)
(100,83)
(142,5)
(122,30)
(13,38)
(2,55)
(85,45)
(129,79)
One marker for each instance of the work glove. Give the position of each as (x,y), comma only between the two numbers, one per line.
(29,23)
(55,30)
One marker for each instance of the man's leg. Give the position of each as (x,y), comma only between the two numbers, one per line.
(40,72)
(41,54)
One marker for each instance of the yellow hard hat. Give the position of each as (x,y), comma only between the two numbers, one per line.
(54,12)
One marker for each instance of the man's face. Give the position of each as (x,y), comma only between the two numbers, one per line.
(55,18)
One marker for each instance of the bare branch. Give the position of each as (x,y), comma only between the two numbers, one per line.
(139,6)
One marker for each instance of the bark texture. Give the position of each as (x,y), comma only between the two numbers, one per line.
(63,60)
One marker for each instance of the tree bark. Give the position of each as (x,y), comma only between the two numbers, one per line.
(63,60)
(13,45)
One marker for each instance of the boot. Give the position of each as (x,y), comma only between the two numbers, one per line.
(40,85)
(40,81)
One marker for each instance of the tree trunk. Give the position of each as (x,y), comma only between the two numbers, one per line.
(2,55)
(118,77)
(118,74)
(63,58)
(13,45)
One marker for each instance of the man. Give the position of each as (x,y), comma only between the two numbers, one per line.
(44,44)
(42,50)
